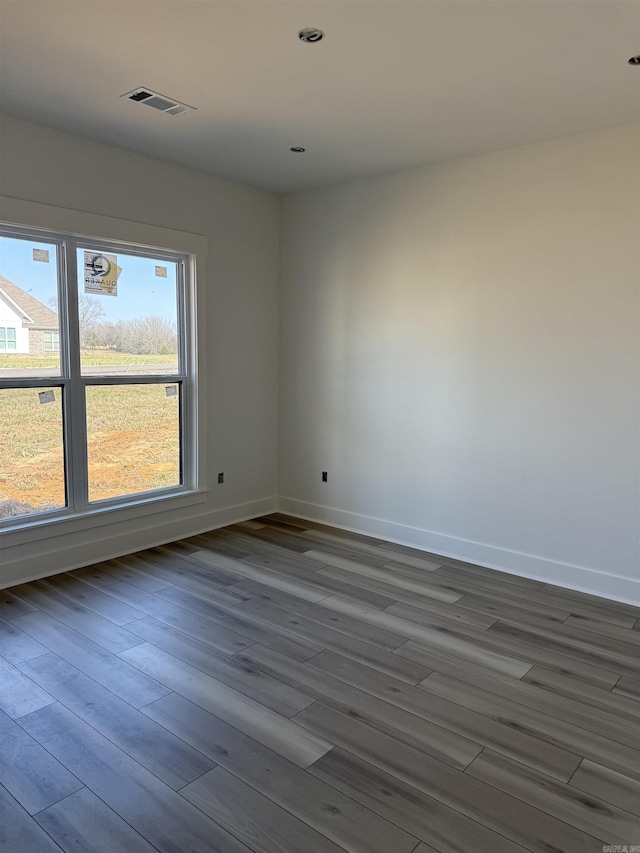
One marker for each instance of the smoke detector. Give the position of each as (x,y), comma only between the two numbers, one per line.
(310,35)
(162,103)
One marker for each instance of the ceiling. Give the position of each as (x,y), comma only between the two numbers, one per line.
(394,84)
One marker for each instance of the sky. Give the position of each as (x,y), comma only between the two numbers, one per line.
(140,291)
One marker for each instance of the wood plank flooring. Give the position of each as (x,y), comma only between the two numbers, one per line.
(280,686)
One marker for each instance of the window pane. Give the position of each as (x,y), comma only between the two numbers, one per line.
(31,451)
(128,313)
(133,439)
(28,307)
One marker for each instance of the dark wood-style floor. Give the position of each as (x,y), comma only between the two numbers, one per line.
(279,686)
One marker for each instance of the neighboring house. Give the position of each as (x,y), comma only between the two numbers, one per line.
(26,325)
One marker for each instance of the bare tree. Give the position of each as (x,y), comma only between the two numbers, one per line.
(156,335)
(90,312)
(141,336)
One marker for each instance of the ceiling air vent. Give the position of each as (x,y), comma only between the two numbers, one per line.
(158,102)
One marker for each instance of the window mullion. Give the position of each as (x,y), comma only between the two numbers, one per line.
(75,416)
(135,379)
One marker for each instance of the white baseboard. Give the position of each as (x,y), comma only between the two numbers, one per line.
(579,578)
(44,561)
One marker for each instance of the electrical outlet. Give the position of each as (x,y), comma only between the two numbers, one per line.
(220,478)
(325,477)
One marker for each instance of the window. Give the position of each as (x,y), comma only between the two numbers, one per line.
(7,338)
(97,410)
(51,342)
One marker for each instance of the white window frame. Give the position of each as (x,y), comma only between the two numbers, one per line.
(5,338)
(55,341)
(62,226)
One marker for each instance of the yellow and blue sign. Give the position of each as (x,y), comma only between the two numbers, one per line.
(101,273)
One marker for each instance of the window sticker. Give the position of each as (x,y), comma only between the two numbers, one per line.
(46,397)
(171,391)
(41,255)
(161,272)
(101,274)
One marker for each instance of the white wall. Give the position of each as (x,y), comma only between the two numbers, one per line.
(459,349)
(241,225)
(10,320)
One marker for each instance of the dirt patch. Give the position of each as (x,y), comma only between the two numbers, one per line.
(120,463)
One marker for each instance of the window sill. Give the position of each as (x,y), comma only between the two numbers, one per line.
(24,531)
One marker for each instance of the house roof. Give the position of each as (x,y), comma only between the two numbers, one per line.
(35,314)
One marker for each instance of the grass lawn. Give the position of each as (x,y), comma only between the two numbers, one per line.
(90,358)
(133,441)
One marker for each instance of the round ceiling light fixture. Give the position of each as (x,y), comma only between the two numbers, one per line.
(310,35)
(297,149)
(635,60)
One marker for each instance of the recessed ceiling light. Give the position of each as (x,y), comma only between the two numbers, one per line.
(310,35)
(635,60)
(298,150)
